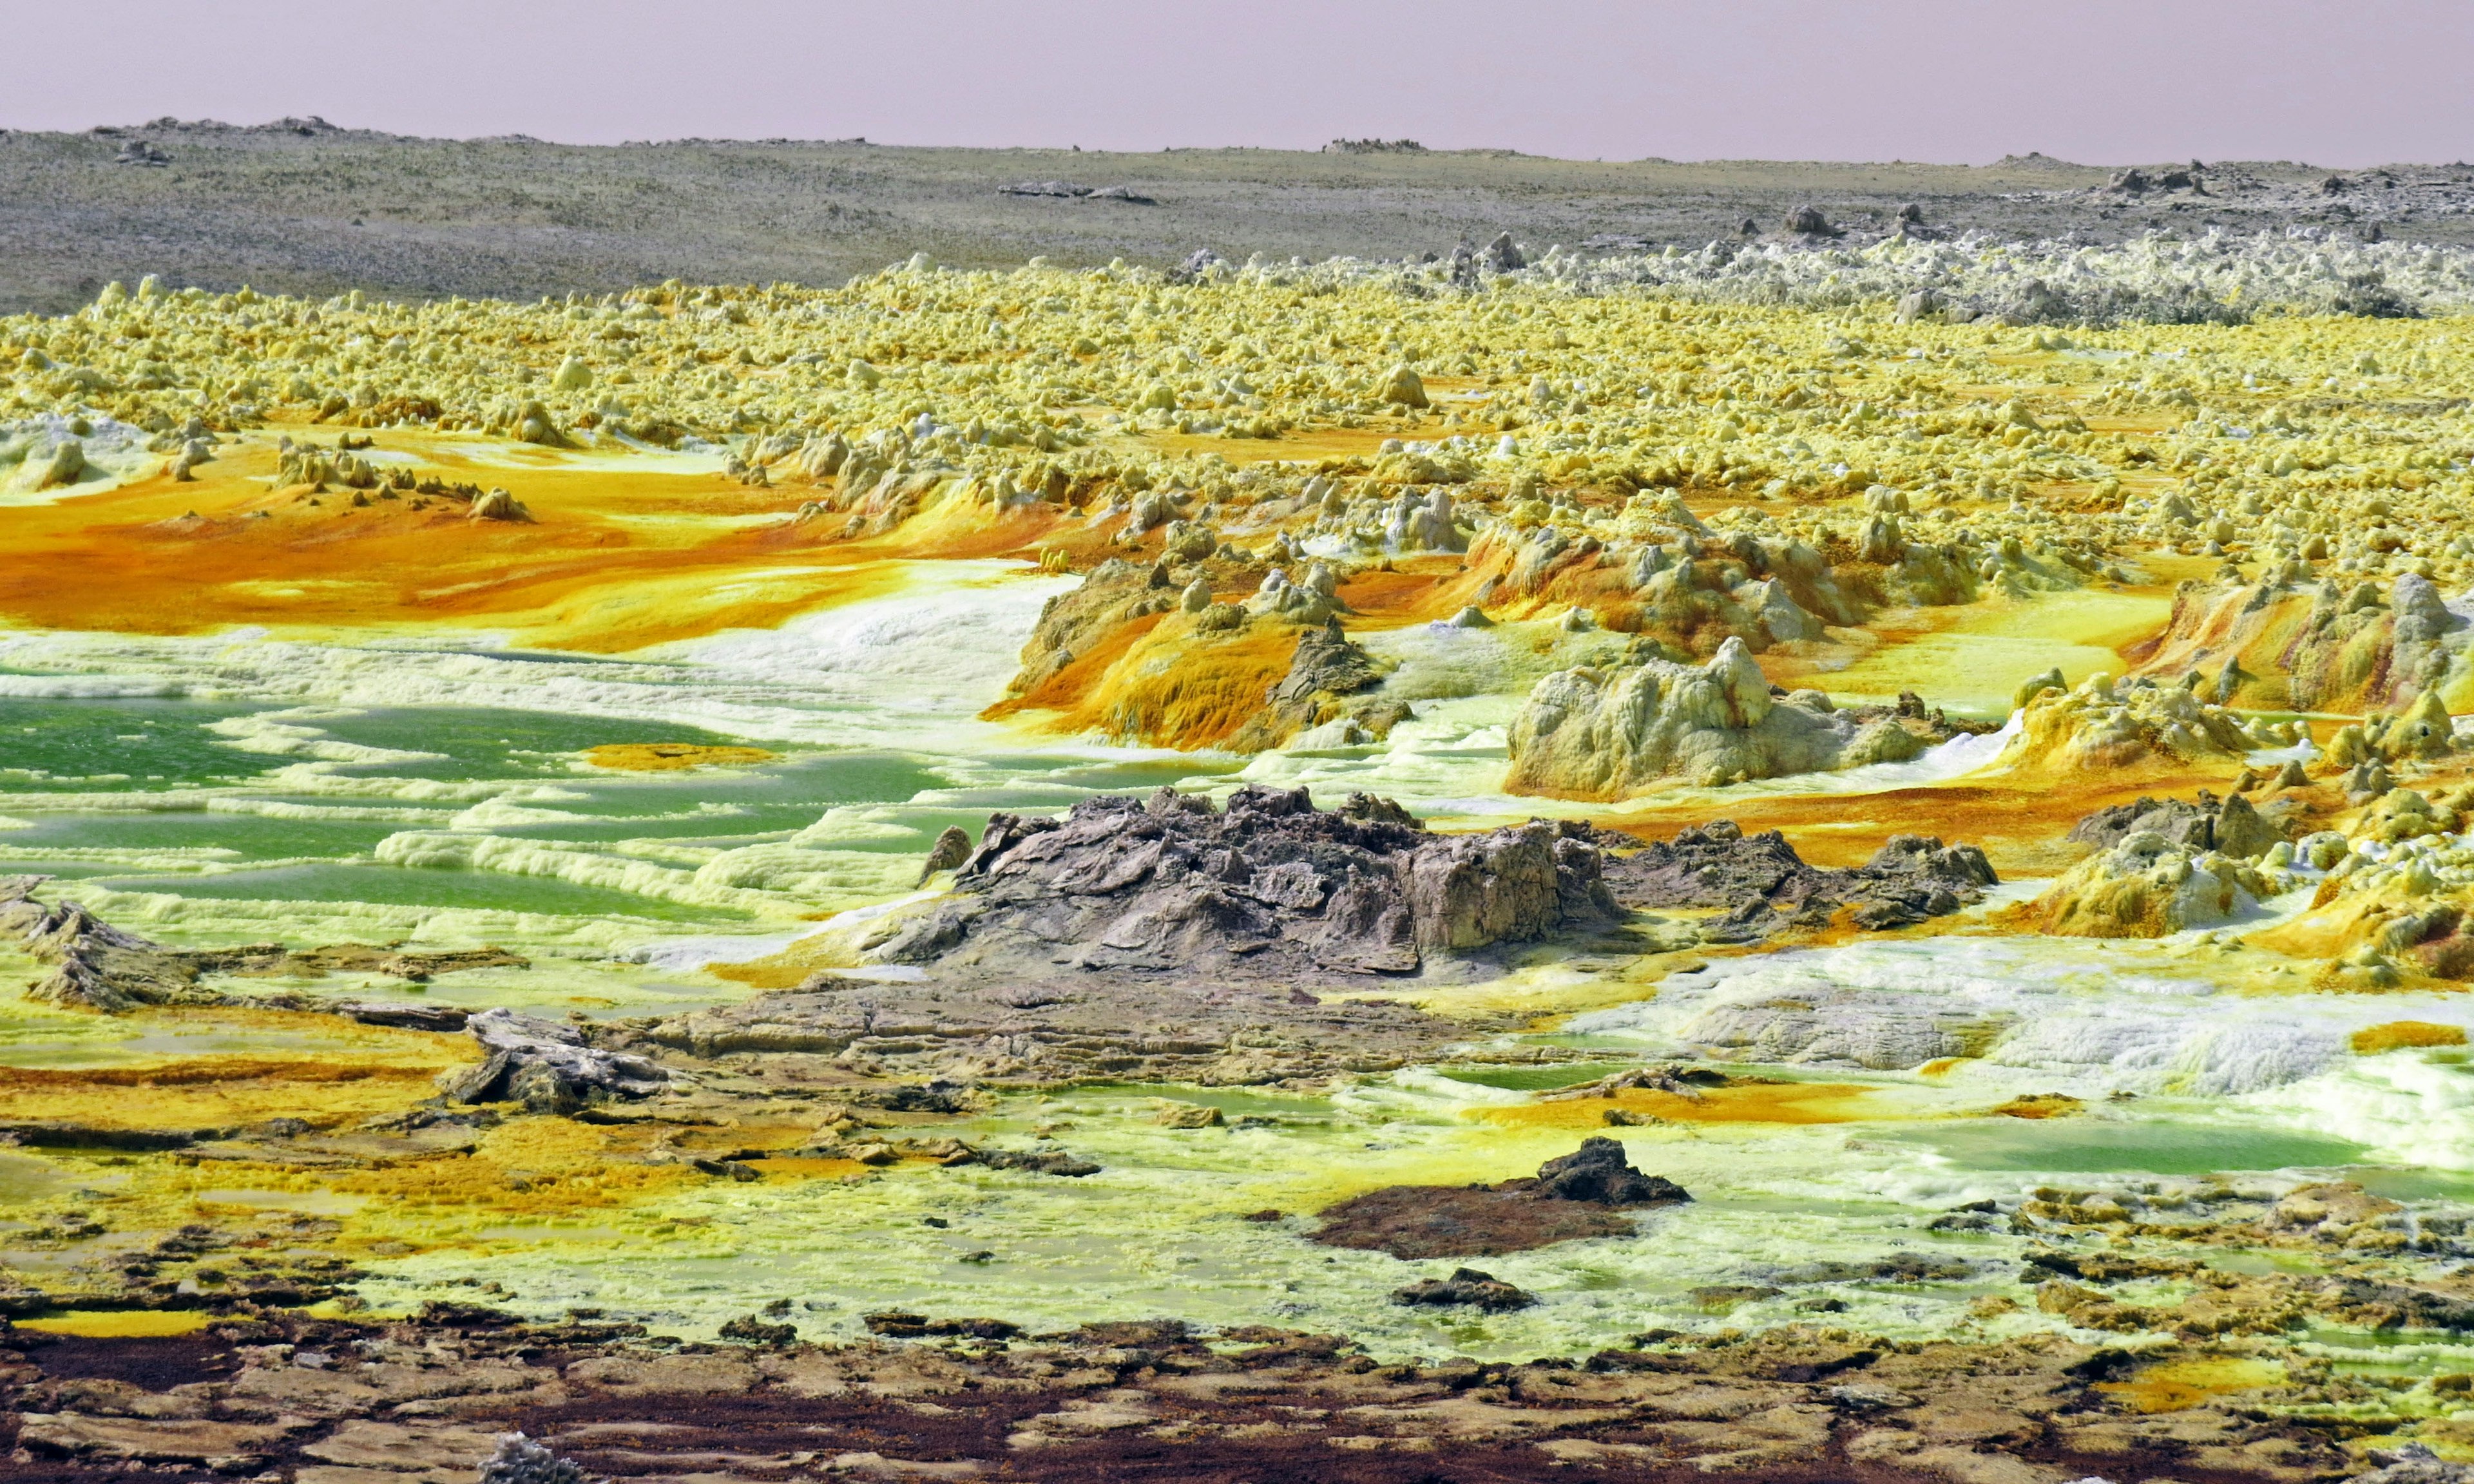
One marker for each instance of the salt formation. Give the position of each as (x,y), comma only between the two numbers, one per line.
(1595,734)
(2146,886)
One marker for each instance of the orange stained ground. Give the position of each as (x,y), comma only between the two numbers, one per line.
(617,557)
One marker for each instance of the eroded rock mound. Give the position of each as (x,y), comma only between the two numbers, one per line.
(1575,1196)
(1605,734)
(2101,725)
(548,1066)
(2231,826)
(2147,886)
(1272,888)
(100,966)
(1768,887)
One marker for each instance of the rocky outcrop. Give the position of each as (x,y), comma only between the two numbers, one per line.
(99,967)
(1466,1288)
(2231,826)
(548,1066)
(1572,1197)
(1271,888)
(1594,733)
(2147,886)
(2101,725)
(1766,887)
(1072,624)
(1324,672)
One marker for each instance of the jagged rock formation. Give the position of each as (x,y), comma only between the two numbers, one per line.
(2147,886)
(1768,888)
(2231,826)
(100,966)
(1272,888)
(548,1066)
(1603,734)
(1166,940)
(1572,1197)
(1324,672)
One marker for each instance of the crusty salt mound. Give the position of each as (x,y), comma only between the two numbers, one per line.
(1596,734)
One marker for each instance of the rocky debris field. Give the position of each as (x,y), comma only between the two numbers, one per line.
(307,206)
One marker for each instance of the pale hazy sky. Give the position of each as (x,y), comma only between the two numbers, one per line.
(2099,81)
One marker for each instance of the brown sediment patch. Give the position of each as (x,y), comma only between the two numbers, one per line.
(2401,1034)
(666,756)
(1460,1221)
(1747,1102)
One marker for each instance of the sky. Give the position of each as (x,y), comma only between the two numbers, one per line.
(2100,81)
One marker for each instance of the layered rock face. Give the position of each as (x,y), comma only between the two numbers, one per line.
(1272,888)
(1603,734)
(1766,887)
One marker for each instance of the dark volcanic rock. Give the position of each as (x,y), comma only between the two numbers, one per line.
(1597,1171)
(1165,939)
(1466,1287)
(546,1066)
(1272,889)
(1460,1221)
(1768,888)
(2232,827)
(1572,1197)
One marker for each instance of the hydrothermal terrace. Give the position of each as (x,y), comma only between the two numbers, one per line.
(1812,861)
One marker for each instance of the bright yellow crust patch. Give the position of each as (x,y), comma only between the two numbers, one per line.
(671,756)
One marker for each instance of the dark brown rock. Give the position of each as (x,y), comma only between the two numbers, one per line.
(1573,1197)
(1767,887)
(1467,1287)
